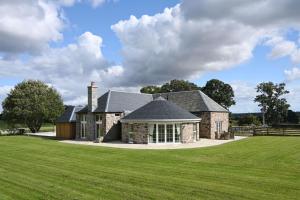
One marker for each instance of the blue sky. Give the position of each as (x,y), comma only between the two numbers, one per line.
(78,41)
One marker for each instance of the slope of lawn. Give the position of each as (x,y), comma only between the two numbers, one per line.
(254,168)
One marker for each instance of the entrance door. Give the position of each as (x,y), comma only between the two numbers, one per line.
(161,133)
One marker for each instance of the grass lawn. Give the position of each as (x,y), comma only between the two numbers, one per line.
(254,168)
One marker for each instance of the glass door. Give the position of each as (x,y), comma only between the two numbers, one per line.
(170,133)
(161,133)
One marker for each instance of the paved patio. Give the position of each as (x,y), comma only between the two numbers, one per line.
(202,143)
(42,134)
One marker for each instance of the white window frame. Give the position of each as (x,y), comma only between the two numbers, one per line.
(195,131)
(98,125)
(165,133)
(130,133)
(83,126)
(219,127)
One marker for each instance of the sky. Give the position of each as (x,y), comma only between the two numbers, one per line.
(127,44)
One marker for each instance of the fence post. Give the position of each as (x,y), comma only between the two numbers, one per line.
(267,130)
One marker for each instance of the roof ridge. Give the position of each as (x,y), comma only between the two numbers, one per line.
(72,113)
(107,100)
(129,92)
(206,103)
(204,99)
(178,91)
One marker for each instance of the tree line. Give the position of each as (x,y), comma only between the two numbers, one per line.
(33,102)
(270,98)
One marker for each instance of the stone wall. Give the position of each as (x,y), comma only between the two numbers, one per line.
(112,126)
(140,133)
(204,125)
(219,116)
(187,135)
(207,125)
(90,127)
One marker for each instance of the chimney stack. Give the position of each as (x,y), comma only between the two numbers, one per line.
(92,97)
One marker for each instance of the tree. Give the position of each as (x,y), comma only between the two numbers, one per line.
(271,101)
(32,103)
(172,86)
(150,89)
(292,117)
(220,92)
(178,85)
(248,120)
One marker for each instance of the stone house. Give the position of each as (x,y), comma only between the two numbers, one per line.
(186,116)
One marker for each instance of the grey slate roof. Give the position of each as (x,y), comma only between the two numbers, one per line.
(69,114)
(160,109)
(113,101)
(193,101)
(83,110)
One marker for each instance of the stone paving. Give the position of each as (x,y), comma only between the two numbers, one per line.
(202,143)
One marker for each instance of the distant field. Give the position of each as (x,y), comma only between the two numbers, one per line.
(45,128)
(253,168)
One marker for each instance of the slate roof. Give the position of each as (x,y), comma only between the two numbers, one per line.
(193,101)
(113,101)
(69,114)
(160,109)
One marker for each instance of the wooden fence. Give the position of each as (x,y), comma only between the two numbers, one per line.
(279,130)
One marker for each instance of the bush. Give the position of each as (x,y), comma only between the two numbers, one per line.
(248,120)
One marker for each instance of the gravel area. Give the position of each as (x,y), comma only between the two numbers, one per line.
(202,143)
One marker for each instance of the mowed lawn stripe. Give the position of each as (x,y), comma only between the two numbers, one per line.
(241,170)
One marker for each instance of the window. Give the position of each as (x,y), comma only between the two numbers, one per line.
(98,118)
(177,132)
(164,133)
(161,133)
(83,126)
(117,114)
(130,133)
(219,126)
(152,133)
(169,132)
(99,132)
(195,131)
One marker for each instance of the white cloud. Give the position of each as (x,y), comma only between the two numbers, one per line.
(28,25)
(167,45)
(69,69)
(96,3)
(244,97)
(281,47)
(292,74)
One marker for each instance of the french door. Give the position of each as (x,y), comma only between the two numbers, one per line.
(164,133)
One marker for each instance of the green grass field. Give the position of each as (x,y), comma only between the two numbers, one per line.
(254,168)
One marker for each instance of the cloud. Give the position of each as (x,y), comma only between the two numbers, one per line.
(292,74)
(256,13)
(96,3)
(244,97)
(69,68)
(166,46)
(281,47)
(93,3)
(28,25)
